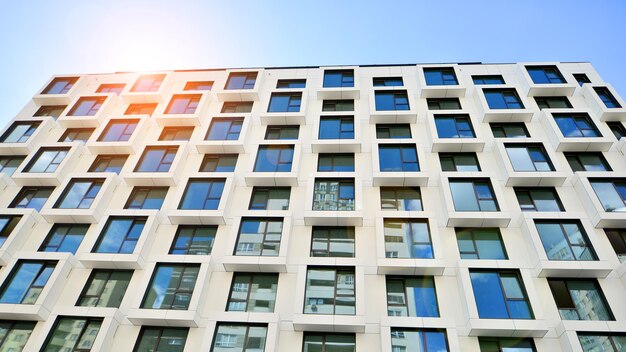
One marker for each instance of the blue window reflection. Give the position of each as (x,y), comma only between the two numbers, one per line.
(500,295)
(202,194)
(274,158)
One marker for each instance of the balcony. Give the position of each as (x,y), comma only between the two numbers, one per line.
(46,124)
(68,119)
(352,92)
(456,144)
(62,170)
(285,117)
(397,115)
(599,108)
(528,178)
(20,234)
(337,145)
(457,90)
(271,179)
(594,206)
(150,178)
(201,216)
(195,118)
(531,89)
(146,95)
(250,94)
(489,114)
(575,144)
(400,178)
(57,98)
(132,146)
(221,146)
(333,217)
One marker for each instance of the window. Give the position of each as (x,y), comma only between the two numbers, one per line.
(604,342)
(285,102)
(274,158)
(105,288)
(388,82)
(565,240)
(259,237)
(148,83)
(411,297)
(504,344)
(73,334)
(224,129)
(397,157)
(454,127)
(580,299)
(407,238)
(500,294)
(176,133)
(50,110)
(617,238)
(76,134)
(87,106)
(218,163)
(64,238)
(241,80)
(193,240)
(503,99)
(140,109)
(611,193)
(338,78)
(509,130)
(581,78)
(576,125)
(443,104)
(336,127)
(617,128)
(553,103)
(156,338)
(146,198)
(607,97)
(270,198)
(199,85)
(459,162)
(545,74)
(120,235)
(60,85)
(395,131)
(488,79)
(440,76)
(202,194)
(330,291)
(32,197)
(282,132)
(156,159)
(328,342)
(418,340)
(108,163)
(333,194)
(26,281)
(20,131)
(538,199)
(233,337)
(7,225)
(118,131)
(335,162)
(587,161)
(391,100)
(183,104)
(291,83)
(47,160)
(329,241)
(480,243)
(15,334)
(338,105)
(111,88)
(79,194)
(528,157)
(473,195)
(10,163)
(252,292)
(171,286)
(401,198)
(231,107)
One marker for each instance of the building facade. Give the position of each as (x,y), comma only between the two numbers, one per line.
(441,207)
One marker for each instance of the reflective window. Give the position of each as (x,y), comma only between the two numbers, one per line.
(76,134)
(528,157)
(395,131)
(60,85)
(241,80)
(176,133)
(218,163)
(15,334)
(108,163)
(480,243)
(338,105)
(336,127)
(611,193)
(607,97)
(291,83)
(332,241)
(473,195)
(401,198)
(156,159)
(224,129)
(440,76)
(500,294)
(407,238)
(580,299)
(259,236)
(26,281)
(333,194)
(391,100)
(282,132)
(233,337)
(47,160)
(73,334)
(338,78)
(397,157)
(118,131)
(50,110)
(252,292)
(270,198)
(171,286)
(111,88)
(454,127)
(553,103)
(10,163)
(32,197)
(418,340)
(285,102)
(79,194)
(576,125)
(330,290)
(156,338)
(328,342)
(231,107)
(274,158)
(503,99)
(148,83)
(538,199)
(509,130)
(193,240)
(335,162)
(459,162)
(581,78)
(545,74)
(64,238)
(488,79)
(199,85)
(19,131)
(183,104)
(120,235)
(411,296)
(86,106)
(587,161)
(565,240)
(602,342)
(443,104)
(617,237)
(618,129)
(505,344)
(140,109)
(388,82)
(105,288)
(146,198)
(202,194)
(7,225)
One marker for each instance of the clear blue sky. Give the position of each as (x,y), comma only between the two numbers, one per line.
(46,37)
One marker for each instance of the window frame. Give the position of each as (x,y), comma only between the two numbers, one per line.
(487,79)
(457,120)
(92,276)
(509,96)
(576,157)
(161,331)
(207,198)
(53,164)
(282,132)
(396,199)
(341,201)
(266,242)
(104,233)
(15,271)
(69,84)
(189,244)
(249,80)
(598,290)
(208,158)
(472,234)
(502,127)
(446,76)
(25,136)
(344,132)
(545,102)
(337,270)
(546,71)
(294,102)
(268,197)
(576,120)
(586,245)
(171,133)
(442,104)
(167,150)
(249,291)
(88,322)
(156,82)
(24,191)
(191,105)
(176,291)
(148,189)
(403,281)
(346,78)
(452,157)
(409,238)
(332,157)
(528,191)
(324,234)
(96,103)
(54,231)
(506,273)
(234,128)
(107,159)
(474,181)
(398,98)
(281,148)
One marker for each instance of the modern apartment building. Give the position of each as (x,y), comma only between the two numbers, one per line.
(402,208)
